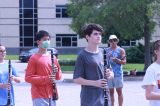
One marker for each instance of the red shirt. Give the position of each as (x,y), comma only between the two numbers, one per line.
(37,73)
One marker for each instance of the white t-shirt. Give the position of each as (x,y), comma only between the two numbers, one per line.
(150,78)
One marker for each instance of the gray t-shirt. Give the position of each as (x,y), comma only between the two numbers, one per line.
(90,66)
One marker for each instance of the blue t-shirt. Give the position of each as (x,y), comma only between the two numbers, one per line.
(4,79)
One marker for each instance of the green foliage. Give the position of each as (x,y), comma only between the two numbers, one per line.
(67,57)
(125,18)
(67,68)
(127,67)
(67,62)
(135,54)
(128,19)
(68,65)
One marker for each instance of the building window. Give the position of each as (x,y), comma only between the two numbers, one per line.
(66,40)
(132,43)
(28,22)
(128,43)
(61,11)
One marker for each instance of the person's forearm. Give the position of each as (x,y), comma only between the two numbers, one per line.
(120,61)
(1,85)
(123,62)
(153,96)
(17,79)
(36,79)
(83,81)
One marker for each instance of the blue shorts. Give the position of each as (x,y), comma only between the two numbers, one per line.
(44,102)
(116,82)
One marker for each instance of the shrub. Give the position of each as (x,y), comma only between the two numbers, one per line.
(67,62)
(135,54)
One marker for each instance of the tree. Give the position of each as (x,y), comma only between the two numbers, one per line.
(128,19)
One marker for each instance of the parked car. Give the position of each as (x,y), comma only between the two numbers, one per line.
(25,55)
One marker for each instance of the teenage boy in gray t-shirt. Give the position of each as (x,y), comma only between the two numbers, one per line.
(89,68)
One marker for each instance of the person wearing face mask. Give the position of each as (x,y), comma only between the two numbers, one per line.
(39,72)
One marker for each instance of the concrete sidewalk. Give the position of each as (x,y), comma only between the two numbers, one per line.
(69,92)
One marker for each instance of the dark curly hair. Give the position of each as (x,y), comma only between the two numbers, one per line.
(156,46)
(88,28)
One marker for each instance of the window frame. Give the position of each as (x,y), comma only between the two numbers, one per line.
(60,13)
(61,37)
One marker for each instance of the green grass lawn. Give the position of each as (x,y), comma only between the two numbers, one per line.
(12,57)
(132,66)
(70,56)
(67,68)
(127,67)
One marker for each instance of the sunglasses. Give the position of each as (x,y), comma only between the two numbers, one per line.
(2,51)
(113,40)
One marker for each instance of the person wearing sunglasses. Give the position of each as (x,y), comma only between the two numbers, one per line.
(117,58)
(7,97)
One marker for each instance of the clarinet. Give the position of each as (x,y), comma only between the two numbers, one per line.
(107,100)
(9,81)
(55,93)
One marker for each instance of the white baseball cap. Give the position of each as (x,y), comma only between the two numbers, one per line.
(113,37)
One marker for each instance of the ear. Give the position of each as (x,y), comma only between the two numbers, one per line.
(87,37)
(155,51)
(38,42)
(117,40)
(108,41)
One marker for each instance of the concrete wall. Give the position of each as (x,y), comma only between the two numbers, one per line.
(47,19)
(9,23)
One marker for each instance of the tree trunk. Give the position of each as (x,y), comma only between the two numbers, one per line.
(147,35)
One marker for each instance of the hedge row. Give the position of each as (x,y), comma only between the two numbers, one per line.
(134,55)
(67,62)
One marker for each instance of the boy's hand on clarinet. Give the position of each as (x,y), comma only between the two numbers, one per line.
(52,78)
(102,83)
(55,69)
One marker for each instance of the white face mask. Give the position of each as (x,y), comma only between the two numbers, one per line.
(45,44)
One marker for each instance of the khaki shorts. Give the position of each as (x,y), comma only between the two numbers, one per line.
(116,82)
